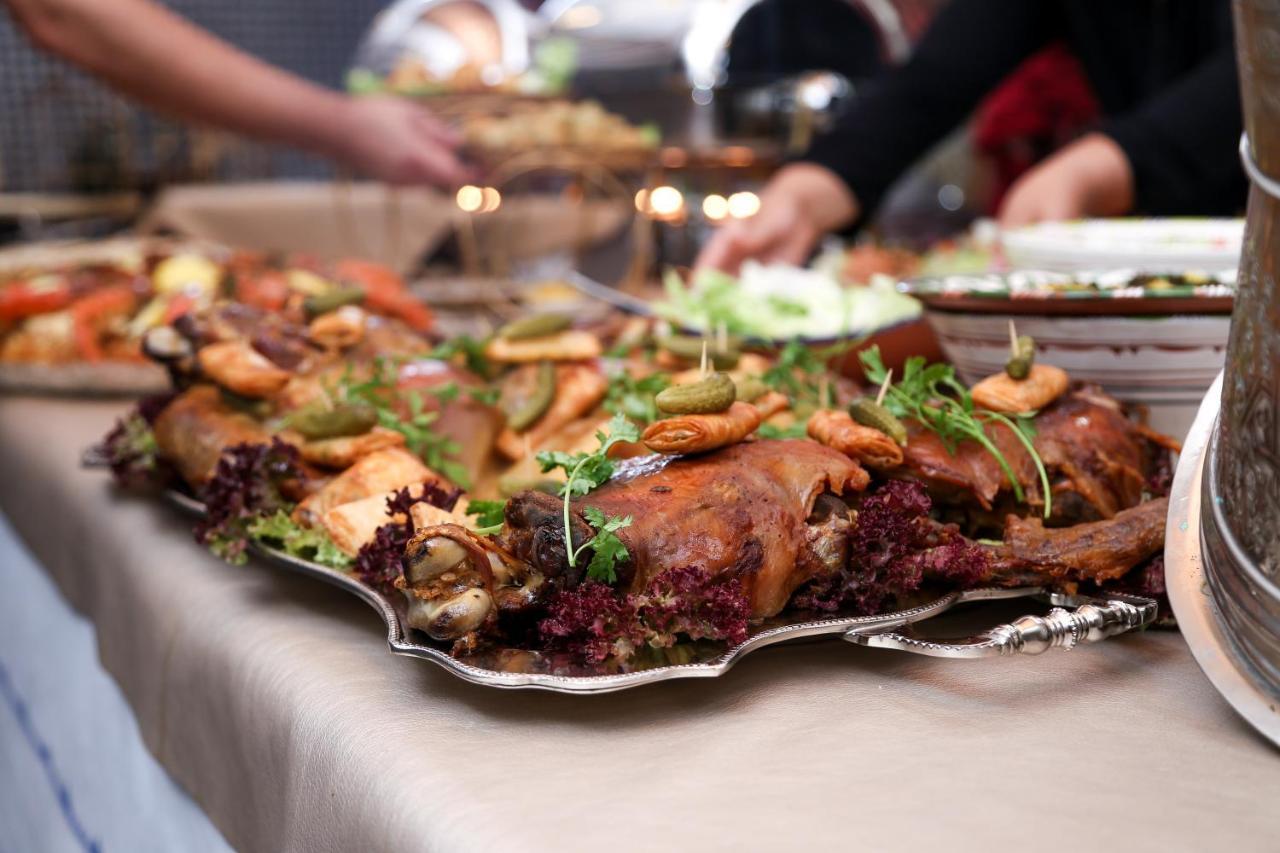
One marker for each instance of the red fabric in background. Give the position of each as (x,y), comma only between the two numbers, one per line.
(1044,104)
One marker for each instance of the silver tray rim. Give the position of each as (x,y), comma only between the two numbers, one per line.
(399,637)
(1199,618)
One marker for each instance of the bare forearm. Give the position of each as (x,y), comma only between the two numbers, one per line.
(160,59)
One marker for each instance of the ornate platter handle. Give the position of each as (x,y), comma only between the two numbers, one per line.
(1091,620)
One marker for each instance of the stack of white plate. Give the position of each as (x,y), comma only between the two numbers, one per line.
(1146,245)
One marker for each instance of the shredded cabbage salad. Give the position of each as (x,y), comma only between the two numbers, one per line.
(779,301)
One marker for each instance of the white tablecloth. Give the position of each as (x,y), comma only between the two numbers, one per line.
(74,773)
(273,700)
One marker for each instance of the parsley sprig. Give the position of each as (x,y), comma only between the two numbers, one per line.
(932,395)
(490,516)
(801,372)
(379,393)
(587,471)
(635,397)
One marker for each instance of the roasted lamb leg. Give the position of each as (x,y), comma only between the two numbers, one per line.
(752,509)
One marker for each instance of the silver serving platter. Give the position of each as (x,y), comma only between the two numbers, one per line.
(1091,619)
(1199,617)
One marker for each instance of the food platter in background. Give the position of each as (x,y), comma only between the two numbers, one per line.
(1152,340)
(1142,244)
(73,315)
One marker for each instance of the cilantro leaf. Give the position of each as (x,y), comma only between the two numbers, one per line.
(607,549)
(586,471)
(635,397)
(471,351)
(380,394)
(796,430)
(487,513)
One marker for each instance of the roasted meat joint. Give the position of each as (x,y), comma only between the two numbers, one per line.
(533,501)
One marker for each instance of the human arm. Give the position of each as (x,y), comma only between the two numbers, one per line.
(160,59)
(967,50)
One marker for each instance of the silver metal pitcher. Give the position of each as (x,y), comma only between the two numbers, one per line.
(1232,621)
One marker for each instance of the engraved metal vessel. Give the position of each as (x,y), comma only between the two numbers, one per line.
(1239,484)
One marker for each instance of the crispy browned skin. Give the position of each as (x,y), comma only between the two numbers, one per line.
(197,426)
(700,433)
(1093,453)
(1095,551)
(742,509)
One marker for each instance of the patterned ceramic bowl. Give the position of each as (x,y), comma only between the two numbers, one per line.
(1152,341)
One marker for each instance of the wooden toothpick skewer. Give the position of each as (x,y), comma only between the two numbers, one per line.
(704,356)
(1013,339)
(884,387)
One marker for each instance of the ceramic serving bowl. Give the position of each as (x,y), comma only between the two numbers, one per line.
(1157,348)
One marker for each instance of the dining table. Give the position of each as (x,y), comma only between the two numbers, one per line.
(274,701)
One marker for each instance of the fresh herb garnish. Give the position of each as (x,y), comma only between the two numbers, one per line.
(306,543)
(585,472)
(490,516)
(487,395)
(796,430)
(607,548)
(801,372)
(933,396)
(379,394)
(471,351)
(635,397)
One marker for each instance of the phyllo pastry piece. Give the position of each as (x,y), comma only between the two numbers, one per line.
(381,471)
(238,367)
(353,525)
(346,450)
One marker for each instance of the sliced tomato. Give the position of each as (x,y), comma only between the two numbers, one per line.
(87,312)
(373,277)
(20,299)
(266,289)
(180,304)
(404,306)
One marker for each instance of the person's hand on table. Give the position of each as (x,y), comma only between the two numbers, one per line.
(800,204)
(1089,177)
(398,141)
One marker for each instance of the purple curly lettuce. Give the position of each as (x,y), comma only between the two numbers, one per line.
(691,603)
(245,487)
(892,549)
(592,623)
(381,560)
(130,448)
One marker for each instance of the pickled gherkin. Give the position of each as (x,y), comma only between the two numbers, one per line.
(536,326)
(526,414)
(1022,358)
(714,394)
(868,412)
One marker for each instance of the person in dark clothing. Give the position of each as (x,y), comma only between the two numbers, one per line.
(1163,72)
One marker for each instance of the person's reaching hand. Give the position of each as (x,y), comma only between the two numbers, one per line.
(800,204)
(398,141)
(1089,177)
